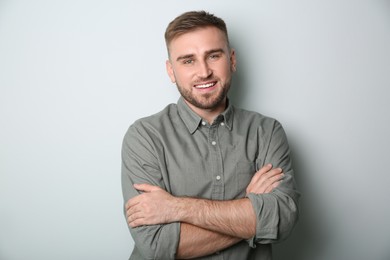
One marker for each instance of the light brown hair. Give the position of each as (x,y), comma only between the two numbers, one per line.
(191,21)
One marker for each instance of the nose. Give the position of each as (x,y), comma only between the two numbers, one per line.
(204,70)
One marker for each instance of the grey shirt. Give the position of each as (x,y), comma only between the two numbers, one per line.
(178,151)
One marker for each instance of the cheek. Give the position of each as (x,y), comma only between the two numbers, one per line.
(183,76)
(224,73)
(223,69)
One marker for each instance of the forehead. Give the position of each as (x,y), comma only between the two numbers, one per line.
(198,41)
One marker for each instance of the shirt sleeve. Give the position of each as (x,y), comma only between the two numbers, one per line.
(140,164)
(276,212)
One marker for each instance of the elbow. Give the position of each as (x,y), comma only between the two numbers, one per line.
(288,220)
(155,242)
(149,253)
(146,253)
(277,215)
(143,246)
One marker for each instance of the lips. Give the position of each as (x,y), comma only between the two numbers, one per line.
(205,85)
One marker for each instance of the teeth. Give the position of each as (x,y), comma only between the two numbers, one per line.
(205,85)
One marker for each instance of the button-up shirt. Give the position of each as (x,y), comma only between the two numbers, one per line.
(180,152)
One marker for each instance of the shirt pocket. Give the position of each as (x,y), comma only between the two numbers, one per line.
(245,171)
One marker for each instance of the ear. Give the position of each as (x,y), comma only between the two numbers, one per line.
(233,60)
(170,71)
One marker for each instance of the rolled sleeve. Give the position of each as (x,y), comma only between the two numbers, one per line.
(141,165)
(157,241)
(276,216)
(276,212)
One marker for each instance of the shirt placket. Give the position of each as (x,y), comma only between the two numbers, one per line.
(217,167)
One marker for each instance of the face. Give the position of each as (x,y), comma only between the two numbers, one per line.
(201,64)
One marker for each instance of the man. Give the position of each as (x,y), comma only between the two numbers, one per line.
(204,179)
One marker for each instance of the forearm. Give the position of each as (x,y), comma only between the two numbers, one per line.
(197,242)
(233,218)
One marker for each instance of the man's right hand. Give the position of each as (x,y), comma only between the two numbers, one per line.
(265,180)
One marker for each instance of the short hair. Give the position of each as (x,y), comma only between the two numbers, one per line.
(191,21)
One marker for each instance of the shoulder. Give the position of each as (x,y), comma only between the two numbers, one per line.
(155,123)
(267,129)
(254,119)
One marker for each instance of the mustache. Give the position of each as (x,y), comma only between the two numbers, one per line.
(205,80)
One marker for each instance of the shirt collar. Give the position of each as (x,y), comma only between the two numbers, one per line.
(189,117)
(228,115)
(192,120)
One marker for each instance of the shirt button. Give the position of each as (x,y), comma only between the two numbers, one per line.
(218,177)
(203,123)
(213,142)
(222,124)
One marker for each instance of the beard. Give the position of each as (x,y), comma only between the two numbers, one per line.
(205,101)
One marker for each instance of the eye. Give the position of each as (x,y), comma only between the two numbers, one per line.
(188,61)
(214,56)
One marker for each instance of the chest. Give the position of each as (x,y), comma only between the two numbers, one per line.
(213,163)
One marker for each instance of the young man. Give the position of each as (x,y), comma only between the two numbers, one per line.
(204,179)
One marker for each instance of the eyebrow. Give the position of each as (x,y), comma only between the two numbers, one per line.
(184,57)
(187,56)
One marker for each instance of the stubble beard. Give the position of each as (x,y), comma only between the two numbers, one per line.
(206,101)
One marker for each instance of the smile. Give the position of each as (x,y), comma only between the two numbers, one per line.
(207,85)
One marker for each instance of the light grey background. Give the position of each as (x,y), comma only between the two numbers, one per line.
(75,74)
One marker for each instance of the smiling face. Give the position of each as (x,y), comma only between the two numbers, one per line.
(201,64)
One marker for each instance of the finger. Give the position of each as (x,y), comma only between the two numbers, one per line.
(276,184)
(268,189)
(265,169)
(136,222)
(272,173)
(272,186)
(272,179)
(133,217)
(133,210)
(132,202)
(261,172)
(275,178)
(263,184)
(145,187)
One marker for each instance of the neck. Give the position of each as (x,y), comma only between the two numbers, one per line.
(209,114)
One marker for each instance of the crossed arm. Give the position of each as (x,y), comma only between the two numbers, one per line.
(207,226)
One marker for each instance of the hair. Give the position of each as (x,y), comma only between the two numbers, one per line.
(190,21)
